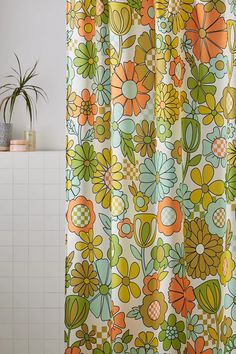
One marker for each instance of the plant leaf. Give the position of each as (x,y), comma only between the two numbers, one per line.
(129,42)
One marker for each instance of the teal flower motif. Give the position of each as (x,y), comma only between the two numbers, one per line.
(230,130)
(191,110)
(118,346)
(232,6)
(101,85)
(193,328)
(230,345)
(163,129)
(157,176)
(215,217)
(172,333)
(86,59)
(177,262)
(230,299)
(120,124)
(217,351)
(219,66)
(72,185)
(102,39)
(185,44)
(201,83)
(214,147)
(164,25)
(183,197)
(100,303)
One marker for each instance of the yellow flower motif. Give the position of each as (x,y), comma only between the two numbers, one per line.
(89,245)
(206,188)
(231,153)
(167,103)
(107,177)
(102,127)
(124,280)
(171,47)
(211,111)
(70,154)
(147,340)
(226,267)
(112,59)
(175,11)
(72,13)
(226,329)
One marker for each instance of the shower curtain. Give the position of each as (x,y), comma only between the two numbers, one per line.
(151,177)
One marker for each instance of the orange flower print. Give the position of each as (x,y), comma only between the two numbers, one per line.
(207,32)
(73,350)
(181,295)
(117,323)
(127,90)
(177,71)
(125,228)
(87,28)
(151,283)
(80,215)
(169,216)
(87,107)
(147,13)
(198,347)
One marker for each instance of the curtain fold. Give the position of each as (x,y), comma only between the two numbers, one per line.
(151,177)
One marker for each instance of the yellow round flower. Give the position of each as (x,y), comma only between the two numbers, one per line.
(167,103)
(212,111)
(177,11)
(89,245)
(226,267)
(205,187)
(125,280)
(107,177)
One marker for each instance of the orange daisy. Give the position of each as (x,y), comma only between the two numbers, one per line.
(117,323)
(127,90)
(181,295)
(169,216)
(80,215)
(147,13)
(73,350)
(207,32)
(86,107)
(151,283)
(87,28)
(198,347)
(177,71)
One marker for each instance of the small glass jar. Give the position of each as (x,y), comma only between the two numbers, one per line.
(30,137)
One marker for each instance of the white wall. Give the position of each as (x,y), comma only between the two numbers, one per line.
(35,29)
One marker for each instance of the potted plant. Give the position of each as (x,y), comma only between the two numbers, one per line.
(20,86)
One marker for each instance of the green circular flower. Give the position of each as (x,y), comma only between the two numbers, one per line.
(84,163)
(201,83)
(159,254)
(86,59)
(163,129)
(230,183)
(172,333)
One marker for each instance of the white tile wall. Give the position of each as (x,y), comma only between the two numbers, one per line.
(31,252)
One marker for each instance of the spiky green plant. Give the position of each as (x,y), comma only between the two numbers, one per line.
(21,87)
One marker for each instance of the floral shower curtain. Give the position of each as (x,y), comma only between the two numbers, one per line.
(151,177)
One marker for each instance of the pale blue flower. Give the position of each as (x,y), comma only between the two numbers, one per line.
(183,197)
(214,147)
(120,124)
(101,85)
(219,70)
(191,110)
(100,303)
(177,260)
(72,185)
(230,299)
(193,328)
(164,25)
(122,346)
(215,217)
(185,44)
(157,176)
(102,39)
